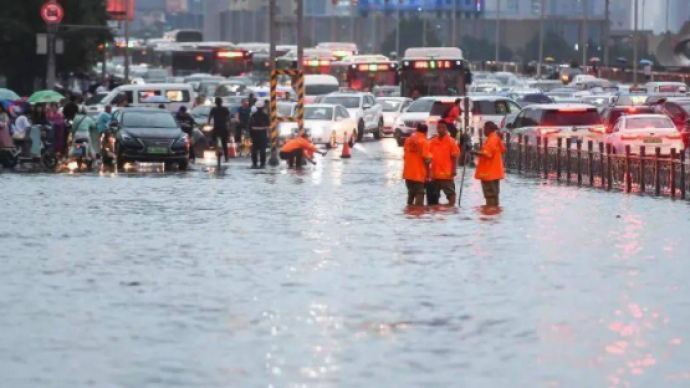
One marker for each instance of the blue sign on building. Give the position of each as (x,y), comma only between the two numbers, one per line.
(421,5)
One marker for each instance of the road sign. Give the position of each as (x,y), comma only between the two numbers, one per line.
(52,12)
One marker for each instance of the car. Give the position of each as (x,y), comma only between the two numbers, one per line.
(651,131)
(386,91)
(611,114)
(149,135)
(363,108)
(483,89)
(392,107)
(579,122)
(672,88)
(321,122)
(545,85)
(533,98)
(416,114)
(484,109)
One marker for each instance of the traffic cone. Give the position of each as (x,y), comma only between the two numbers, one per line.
(232,148)
(346,149)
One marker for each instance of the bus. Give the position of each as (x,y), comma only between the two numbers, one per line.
(365,72)
(209,57)
(315,61)
(434,71)
(184,36)
(339,50)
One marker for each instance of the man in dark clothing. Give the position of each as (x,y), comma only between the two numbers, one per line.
(71,109)
(186,122)
(242,119)
(259,124)
(220,116)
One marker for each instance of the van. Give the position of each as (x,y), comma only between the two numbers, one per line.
(319,85)
(172,96)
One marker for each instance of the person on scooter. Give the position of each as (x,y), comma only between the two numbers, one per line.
(85,128)
(187,122)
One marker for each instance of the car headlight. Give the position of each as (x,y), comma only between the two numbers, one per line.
(317,131)
(127,138)
(388,121)
(285,131)
(182,141)
(207,128)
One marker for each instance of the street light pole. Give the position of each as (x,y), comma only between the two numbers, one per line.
(636,11)
(607,33)
(585,33)
(454,29)
(272,29)
(668,15)
(541,38)
(397,34)
(127,15)
(498,32)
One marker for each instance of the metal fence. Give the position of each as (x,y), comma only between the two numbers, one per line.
(597,166)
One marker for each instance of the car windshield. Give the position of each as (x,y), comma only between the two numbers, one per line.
(149,120)
(648,122)
(95,99)
(562,118)
(536,99)
(632,99)
(420,106)
(347,102)
(318,90)
(201,111)
(284,110)
(616,114)
(318,113)
(390,105)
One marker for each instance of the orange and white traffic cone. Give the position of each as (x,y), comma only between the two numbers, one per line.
(346,149)
(232,148)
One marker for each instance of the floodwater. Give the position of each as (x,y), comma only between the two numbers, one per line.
(321,278)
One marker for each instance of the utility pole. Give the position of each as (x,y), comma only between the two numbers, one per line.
(300,34)
(397,35)
(668,15)
(52,67)
(353,10)
(272,29)
(607,33)
(454,28)
(635,54)
(127,15)
(585,33)
(498,32)
(541,38)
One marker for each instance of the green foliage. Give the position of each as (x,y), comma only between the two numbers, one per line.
(482,50)
(411,36)
(20,21)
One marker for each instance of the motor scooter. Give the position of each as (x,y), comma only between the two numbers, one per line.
(36,148)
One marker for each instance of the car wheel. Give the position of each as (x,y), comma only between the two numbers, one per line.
(398,138)
(378,135)
(10,162)
(360,131)
(49,160)
(183,165)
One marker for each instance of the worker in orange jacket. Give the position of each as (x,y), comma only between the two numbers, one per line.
(293,151)
(416,167)
(444,163)
(490,168)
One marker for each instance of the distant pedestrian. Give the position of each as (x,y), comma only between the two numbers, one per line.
(242,119)
(220,116)
(186,122)
(259,124)
(417,156)
(104,119)
(451,118)
(71,109)
(444,163)
(490,170)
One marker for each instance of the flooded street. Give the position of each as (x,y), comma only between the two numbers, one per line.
(321,278)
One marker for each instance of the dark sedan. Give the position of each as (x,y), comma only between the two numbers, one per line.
(149,135)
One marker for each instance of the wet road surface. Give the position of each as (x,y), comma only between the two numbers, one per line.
(321,278)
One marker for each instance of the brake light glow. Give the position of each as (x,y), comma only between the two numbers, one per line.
(673,136)
(629,137)
(573,110)
(373,67)
(420,65)
(632,110)
(341,53)
(230,54)
(200,58)
(316,62)
(598,130)
(548,131)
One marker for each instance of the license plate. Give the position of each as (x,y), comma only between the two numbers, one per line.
(78,151)
(157,150)
(652,140)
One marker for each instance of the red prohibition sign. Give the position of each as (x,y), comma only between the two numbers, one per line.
(52,12)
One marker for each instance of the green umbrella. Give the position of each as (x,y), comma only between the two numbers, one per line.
(6,94)
(46,96)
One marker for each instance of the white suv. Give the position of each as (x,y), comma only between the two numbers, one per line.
(363,108)
(579,122)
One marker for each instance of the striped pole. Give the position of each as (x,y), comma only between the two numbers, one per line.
(300,101)
(273,161)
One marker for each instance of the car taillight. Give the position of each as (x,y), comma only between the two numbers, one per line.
(673,136)
(598,130)
(433,120)
(548,131)
(629,137)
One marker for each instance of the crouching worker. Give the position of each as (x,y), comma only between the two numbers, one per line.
(490,169)
(293,151)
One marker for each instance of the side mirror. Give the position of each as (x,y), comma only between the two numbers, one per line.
(114,125)
(367,106)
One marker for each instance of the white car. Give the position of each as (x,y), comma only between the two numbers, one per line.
(392,107)
(578,122)
(321,122)
(650,130)
(407,122)
(363,108)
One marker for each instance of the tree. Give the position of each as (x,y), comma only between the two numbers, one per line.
(411,36)
(20,21)
(554,46)
(483,50)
